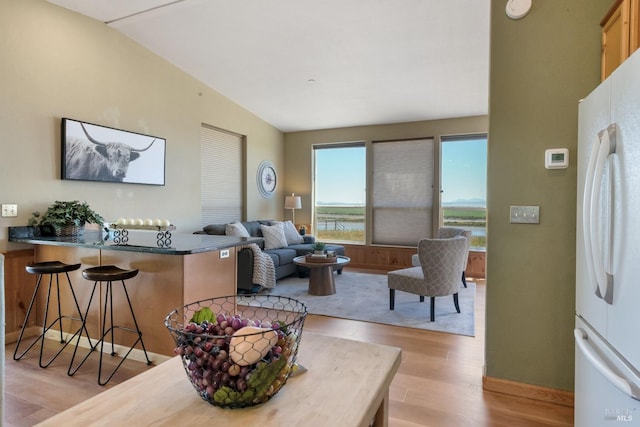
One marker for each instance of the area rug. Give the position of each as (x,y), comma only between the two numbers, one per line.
(361,296)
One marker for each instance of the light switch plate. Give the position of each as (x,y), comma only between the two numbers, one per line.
(524,214)
(9,210)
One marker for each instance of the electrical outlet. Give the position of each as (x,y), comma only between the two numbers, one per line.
(524,214)
(9,210)
(224,253)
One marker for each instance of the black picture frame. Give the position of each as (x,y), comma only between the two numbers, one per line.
(92,152)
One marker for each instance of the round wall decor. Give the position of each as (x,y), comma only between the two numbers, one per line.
(267,179)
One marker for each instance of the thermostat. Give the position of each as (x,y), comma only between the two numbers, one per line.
(517,9)
(556,158)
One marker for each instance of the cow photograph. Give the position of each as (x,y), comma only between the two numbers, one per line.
(92,152)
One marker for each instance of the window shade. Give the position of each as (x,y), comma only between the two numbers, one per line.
(402,196)
(221,176)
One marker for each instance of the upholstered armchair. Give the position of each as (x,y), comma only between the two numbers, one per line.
(447,233)
(438,275)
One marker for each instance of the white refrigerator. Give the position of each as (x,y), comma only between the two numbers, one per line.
(607,331)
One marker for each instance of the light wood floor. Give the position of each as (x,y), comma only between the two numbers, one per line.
(439,383)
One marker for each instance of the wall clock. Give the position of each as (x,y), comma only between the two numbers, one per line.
(267,179)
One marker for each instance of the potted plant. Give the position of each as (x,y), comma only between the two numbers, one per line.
(319,247)
(66,218)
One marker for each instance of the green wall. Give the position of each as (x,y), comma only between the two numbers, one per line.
(541,66)
(57,63)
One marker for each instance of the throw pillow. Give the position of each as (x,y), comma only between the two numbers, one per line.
(274,237)
(290,232)
(236,229)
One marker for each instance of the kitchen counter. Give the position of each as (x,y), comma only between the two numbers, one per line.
(192,267)
(138,241)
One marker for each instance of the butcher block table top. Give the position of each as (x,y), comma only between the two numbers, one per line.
(347,384)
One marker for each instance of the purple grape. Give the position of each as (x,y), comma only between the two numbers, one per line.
(236,324)
(216,364)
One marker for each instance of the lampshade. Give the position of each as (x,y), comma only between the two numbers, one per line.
(292,202)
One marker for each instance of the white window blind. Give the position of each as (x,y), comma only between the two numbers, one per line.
(221,176)
(402,196)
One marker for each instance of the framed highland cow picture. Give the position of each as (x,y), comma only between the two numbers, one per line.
(92,152)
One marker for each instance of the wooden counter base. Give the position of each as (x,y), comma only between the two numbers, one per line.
(164,283)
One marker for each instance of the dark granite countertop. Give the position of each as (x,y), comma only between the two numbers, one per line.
(137,241)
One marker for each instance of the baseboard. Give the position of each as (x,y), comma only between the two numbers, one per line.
(529,391)
(52,334)
(11,337)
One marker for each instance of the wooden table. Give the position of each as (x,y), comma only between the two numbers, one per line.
(347,384)
(321,274)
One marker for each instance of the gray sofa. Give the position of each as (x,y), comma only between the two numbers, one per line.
(282,257)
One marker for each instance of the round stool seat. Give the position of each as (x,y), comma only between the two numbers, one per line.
(51,267)
(108,273)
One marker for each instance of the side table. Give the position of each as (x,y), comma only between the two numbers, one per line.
(321,274)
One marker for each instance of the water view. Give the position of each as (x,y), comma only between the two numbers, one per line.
(340,189)
(347,222)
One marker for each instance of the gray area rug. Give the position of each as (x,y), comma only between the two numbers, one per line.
(361,296)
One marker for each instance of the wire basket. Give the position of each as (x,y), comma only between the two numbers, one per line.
(238,351)
(68,230)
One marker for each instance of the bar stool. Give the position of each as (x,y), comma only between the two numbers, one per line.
(51,268)
(109,274)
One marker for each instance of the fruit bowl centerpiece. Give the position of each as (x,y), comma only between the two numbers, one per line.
(239,350)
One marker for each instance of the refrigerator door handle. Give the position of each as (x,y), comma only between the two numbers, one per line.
(603,278)
(621,383)
(586,213)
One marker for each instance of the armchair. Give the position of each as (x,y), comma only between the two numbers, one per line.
(447,233)
(438,275)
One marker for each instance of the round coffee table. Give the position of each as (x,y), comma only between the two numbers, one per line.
(321,274)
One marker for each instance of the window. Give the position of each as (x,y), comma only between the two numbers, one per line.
(402,196)
(464,185)
(221,175)
(340,192)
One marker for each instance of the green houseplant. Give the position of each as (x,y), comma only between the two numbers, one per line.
(319,247)
(66,218)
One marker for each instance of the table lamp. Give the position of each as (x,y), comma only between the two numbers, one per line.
(293,202)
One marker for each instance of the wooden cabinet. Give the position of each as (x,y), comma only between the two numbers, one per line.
(634,28)
(393,258)
(620,34)
(18,289)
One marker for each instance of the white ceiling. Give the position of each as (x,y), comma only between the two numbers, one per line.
(302,65)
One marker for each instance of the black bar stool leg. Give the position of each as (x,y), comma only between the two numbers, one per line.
(112,328)
(92,347)
(51,268)
(135,322)
(108,274)
(17,356)
(58,320)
